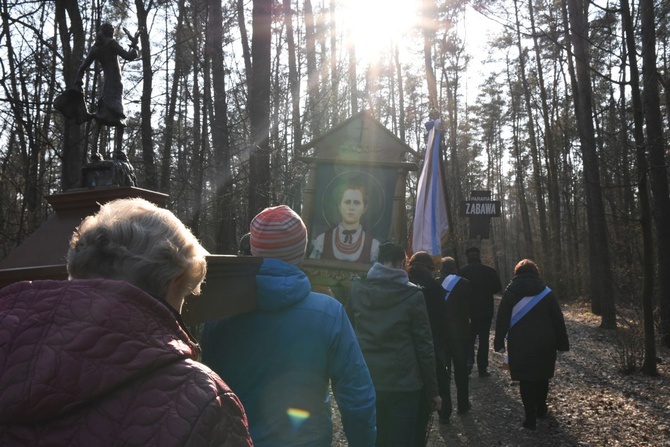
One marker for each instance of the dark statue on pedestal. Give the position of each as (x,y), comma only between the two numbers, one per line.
(105,52)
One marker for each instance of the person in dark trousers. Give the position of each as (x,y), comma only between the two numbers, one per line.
(458,296)
(531,320)
(421,271)
(390,319)
(485,283)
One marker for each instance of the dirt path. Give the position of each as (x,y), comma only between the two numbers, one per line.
(590,402)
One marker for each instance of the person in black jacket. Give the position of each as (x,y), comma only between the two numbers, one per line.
(485,283)
(421,271)
(457,306)
(530,318)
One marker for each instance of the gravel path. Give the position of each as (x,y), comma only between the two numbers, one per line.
(590,402)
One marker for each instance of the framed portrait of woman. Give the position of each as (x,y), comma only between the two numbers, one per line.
(353,199)
(352,212)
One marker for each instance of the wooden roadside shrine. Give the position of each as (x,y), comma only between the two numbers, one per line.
(360,149)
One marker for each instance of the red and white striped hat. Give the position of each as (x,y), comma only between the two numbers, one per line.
(278,232)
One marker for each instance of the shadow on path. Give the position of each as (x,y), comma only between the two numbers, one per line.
(496,416)
(591,404)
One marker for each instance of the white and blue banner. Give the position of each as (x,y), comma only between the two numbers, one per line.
(430,214)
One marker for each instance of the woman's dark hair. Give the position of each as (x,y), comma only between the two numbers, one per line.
(390,252)
(526,266)
(422,259)
(472,254)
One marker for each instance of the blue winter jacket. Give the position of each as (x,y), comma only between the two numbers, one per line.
(279,360)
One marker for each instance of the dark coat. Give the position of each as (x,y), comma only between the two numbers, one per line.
(433,295)
(99,362)
(485,283)
(533,341)
(458,309)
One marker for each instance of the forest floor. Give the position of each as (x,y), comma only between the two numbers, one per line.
(591,403)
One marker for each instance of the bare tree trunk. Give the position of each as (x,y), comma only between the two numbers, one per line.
(73,149)
(452,140)
(572,252)
(528,249)
(401,95)
(180,61)
(44,178)
(658,167)
(429,14)
(224,218)
(537,169)
(278,159)
(554,256)
(259,107)
(334,77)
(294,85)
(353,78)
(200,104)
(602,289)
(649,365)
(244,38)
(312,72)
(23,120)
(325,99)
(151,176)
(570,194)
(293,76)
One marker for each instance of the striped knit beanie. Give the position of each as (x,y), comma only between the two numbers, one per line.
(278,232)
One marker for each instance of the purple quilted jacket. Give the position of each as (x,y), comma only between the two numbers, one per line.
(101,363)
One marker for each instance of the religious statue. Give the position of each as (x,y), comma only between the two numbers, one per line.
(105,52)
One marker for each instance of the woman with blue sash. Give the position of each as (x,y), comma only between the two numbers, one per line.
(531,320)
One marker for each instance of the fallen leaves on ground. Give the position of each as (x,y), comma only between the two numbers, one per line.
(591,403)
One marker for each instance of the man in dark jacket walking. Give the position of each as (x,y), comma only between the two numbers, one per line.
(485,283)
(458,296)
(421,271)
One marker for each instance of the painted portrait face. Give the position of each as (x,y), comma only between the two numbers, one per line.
(352,206)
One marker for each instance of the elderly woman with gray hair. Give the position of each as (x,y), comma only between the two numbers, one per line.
(103,358)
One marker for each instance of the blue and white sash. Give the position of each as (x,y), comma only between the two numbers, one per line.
(526,304)
(448,284)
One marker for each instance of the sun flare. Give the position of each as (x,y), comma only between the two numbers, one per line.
(375,25)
